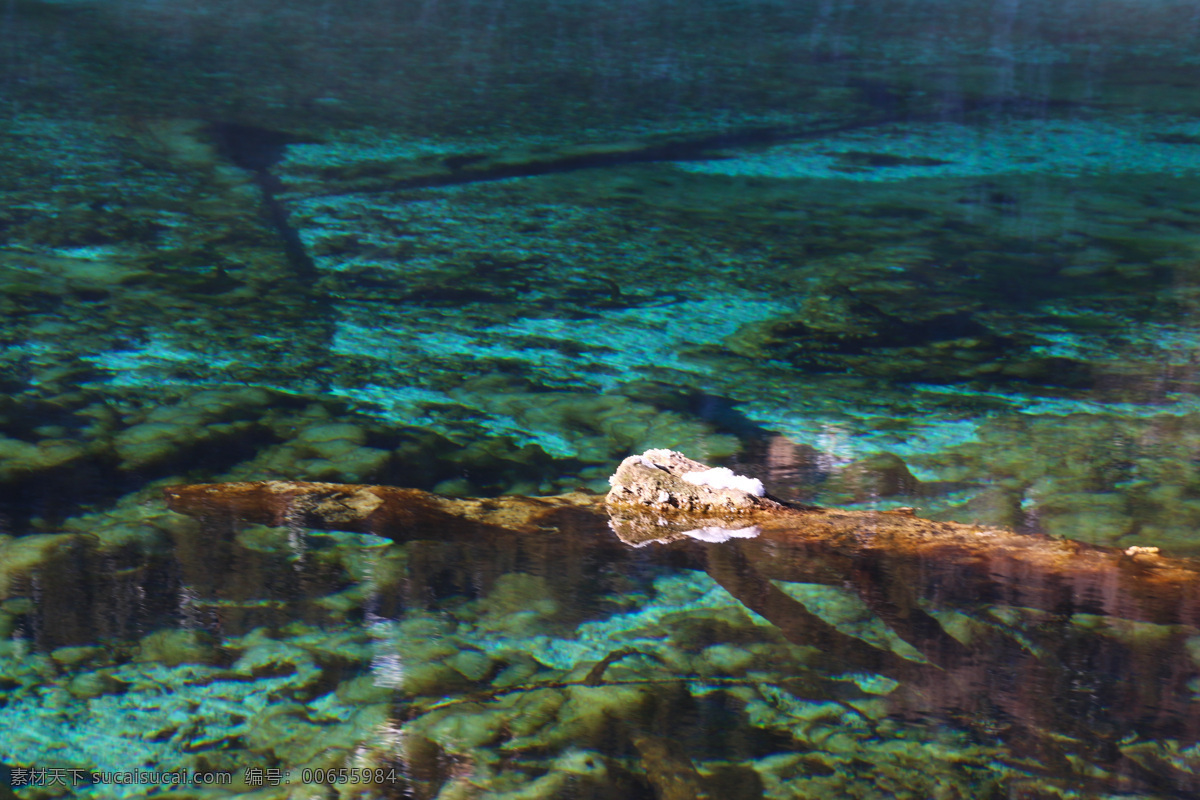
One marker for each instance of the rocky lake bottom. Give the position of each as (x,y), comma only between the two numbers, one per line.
(880,257)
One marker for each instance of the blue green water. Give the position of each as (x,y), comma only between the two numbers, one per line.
(877,254)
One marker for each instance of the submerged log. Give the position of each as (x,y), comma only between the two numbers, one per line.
(387,511)
(907,556)
(895,561)
(1043,687)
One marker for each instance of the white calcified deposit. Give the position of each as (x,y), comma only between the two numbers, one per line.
(725,478)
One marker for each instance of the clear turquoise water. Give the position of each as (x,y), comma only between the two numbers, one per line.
(928,254)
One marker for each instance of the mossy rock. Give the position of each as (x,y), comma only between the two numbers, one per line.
(174,647)
(876,476)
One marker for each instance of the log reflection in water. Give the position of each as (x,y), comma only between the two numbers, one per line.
(1049,686)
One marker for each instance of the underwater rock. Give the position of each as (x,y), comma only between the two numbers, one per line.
(175,647)
(65,274)
(19,459)
(318,448)
(875,476)
(173,143)
(530,596)
(283,728)
(21,557)
(432,678)
(995,505)
(669,769)
(266,656)
(521,667)
(594,428)
(474,665)
(170,432)
(74,656)
(1096,477)
(878,329)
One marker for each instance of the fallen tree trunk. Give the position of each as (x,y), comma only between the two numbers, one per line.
(1046,683)
(941,561)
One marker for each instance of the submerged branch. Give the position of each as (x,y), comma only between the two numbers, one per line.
(949,562)
(1080,603)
